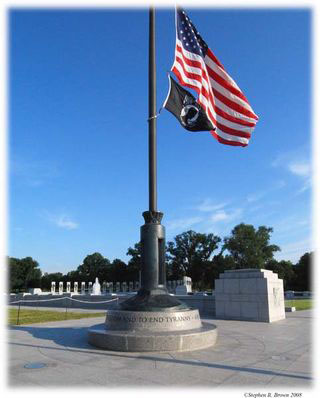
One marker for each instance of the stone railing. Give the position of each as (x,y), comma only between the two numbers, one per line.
(205,304)
(291,294)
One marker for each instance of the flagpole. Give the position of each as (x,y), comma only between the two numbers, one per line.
(153,294)
(152,114)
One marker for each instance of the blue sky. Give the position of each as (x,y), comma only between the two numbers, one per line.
(78,106)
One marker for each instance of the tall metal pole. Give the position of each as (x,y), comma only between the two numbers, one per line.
(152,114)
(153,294)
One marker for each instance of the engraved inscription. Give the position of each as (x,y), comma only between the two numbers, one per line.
(151,319)
(276,296)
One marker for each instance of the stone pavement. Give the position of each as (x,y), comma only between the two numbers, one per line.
(252,354)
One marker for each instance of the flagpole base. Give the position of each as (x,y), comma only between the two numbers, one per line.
(153,300)
(133,331)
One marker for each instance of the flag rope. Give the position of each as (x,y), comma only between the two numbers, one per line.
(153,117)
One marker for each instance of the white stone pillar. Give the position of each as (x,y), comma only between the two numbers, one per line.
(53,287)
(124,287)
(75,287)
(68,287)
(90,287)
(187,282)
(60,287)
(83,287)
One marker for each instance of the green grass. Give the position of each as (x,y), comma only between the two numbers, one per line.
(37,316)
(299,304)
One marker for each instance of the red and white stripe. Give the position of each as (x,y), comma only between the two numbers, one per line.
(223,101)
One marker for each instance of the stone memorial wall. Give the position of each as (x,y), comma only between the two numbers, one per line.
(250,294)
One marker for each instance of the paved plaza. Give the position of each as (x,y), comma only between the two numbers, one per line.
(246,354)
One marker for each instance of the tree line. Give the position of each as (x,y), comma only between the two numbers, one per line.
(200,256)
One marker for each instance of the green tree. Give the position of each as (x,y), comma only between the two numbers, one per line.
(15,277)
(94,266)
(119,271)
(304,273)
(72,276)
(134,264)
(217,266)
(285,271)
(23,274)
(249,247)
(190,254)
(47,278)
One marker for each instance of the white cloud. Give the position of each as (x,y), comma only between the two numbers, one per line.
(207,205)
(307,184)
(183,223)
(297,163)
(300,168)
(65,222)
(219,216)
(222,215)
(215,217)
(61,220)
(219,222)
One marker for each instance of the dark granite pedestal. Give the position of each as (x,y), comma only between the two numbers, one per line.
(143,331)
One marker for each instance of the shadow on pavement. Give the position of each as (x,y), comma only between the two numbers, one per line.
(74,339)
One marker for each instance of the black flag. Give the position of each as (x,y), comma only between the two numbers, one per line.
(185,108)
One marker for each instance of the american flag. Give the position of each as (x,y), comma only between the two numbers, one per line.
(198,68)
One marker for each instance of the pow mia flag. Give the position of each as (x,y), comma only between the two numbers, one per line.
(185,108)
